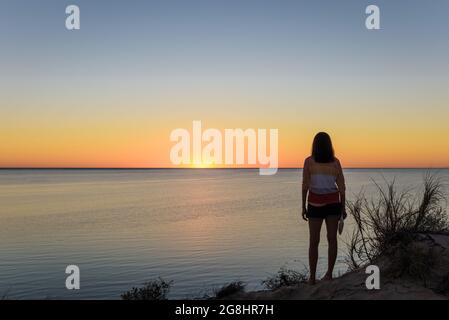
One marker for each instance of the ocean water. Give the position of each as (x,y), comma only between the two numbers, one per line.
(199,228)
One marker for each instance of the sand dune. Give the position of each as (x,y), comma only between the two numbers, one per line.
(433,285)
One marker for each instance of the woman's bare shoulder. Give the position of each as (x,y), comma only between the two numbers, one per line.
(308,160)
(337,162)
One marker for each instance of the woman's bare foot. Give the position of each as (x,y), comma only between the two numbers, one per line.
(327,277)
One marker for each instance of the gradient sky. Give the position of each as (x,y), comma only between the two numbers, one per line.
(109,94)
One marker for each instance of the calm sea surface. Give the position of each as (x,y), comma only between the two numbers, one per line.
(199,228)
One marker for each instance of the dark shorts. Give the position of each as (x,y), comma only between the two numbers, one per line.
(332,209)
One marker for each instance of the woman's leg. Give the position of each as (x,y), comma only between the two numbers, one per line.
(332,227)
(314,231)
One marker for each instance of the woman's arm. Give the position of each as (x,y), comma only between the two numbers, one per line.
(341,188)
(305,187)
(343,204)
(304,208)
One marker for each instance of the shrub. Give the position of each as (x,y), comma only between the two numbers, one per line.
(393,218)
(229,289)
(284,278)
(153,290)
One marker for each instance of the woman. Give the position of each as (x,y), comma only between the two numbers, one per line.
(323,188)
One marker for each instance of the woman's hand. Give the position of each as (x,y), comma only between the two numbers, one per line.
(304,214)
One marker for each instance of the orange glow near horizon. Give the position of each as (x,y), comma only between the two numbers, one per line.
(135,145)
(366,136)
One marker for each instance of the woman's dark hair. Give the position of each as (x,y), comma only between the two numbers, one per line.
(322,150)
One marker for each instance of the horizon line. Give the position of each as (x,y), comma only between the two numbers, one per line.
(171,168)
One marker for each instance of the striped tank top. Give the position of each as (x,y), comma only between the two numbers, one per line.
(324,181)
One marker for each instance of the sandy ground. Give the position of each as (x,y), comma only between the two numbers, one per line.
(352,285)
